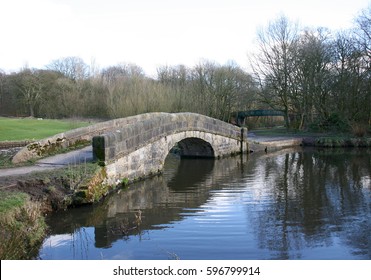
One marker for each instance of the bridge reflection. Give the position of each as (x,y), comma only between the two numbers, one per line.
(174,191)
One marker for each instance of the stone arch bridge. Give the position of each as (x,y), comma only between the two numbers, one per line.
(139,149)
(136,147)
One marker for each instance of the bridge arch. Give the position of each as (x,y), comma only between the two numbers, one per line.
(195,147)
(191,144)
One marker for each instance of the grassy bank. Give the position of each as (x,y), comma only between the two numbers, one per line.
(25,199)
(22,226)
(13,129)
(341,141)
(282,131)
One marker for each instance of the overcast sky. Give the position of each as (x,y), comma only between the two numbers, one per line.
(151,33)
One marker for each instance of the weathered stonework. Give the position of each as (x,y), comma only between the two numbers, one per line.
(139,150)
(70,138)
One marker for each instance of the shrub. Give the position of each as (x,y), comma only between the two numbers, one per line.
(359,130)
(335,122)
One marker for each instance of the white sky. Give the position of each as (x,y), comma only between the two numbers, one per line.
(150,33)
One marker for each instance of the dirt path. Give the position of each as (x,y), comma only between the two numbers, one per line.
(53,162)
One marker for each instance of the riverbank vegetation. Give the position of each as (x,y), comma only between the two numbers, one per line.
(22,226)
(26,199)
(318,78)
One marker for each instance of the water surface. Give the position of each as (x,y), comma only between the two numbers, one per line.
(291,204)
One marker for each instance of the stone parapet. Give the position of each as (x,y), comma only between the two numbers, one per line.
(126,139)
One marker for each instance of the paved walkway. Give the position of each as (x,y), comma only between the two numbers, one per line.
(260,143)
(53,162)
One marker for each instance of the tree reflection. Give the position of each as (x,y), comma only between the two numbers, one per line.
(313,198)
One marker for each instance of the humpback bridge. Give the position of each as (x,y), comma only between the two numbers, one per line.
(139,148)
(136,147)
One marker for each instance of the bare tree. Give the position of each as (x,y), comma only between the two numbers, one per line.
(312,76)
(2,90)
(30,86)
(364,34)
(274,64)
(72,67)
(364,24)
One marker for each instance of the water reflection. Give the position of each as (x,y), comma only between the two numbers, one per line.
(313,201)
(162,199)
(294,204)
(191,172)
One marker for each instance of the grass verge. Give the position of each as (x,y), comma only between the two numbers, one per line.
(337,141)
(282,131)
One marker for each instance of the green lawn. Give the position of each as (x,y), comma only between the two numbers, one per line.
(13,129)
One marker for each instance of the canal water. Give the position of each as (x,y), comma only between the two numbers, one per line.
(290,204)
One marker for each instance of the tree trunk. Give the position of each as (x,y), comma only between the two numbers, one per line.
(287,118)
(32,112)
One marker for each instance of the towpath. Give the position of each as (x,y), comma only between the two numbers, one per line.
(260,143)
(49,163)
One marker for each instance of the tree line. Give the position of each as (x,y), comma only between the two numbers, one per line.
(318,78)
(68,88)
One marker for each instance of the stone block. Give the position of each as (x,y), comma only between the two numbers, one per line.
(98,143)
